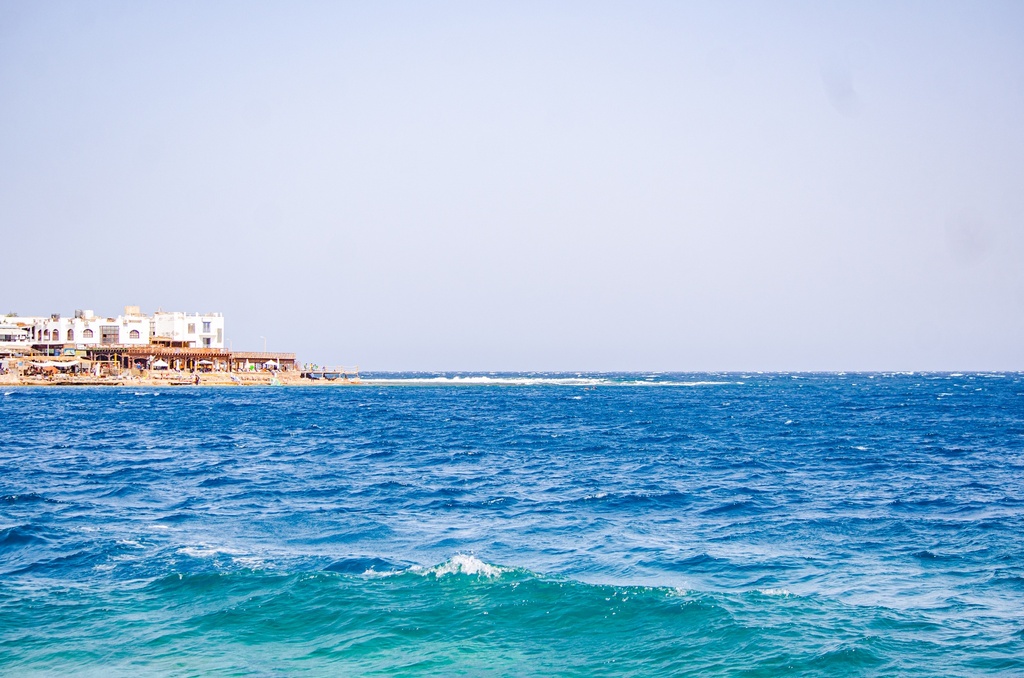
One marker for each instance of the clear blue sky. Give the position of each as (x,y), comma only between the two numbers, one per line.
(528,185)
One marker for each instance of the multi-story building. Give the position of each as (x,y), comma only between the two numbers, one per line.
(87,330)
(200,330)
(14,338)
(164,340)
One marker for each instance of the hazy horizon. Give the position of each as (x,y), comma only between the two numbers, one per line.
(528,187)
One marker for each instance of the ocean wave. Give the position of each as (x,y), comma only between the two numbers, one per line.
(452,526)
(775,592)
(206,551)
(464,564)
(465,615)
(636,500)
(487,381)
(510,380)
(26,498)
(467,565)
(20,536)
(741,507)
(365,566)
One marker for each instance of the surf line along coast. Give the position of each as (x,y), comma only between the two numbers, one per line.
(160,349)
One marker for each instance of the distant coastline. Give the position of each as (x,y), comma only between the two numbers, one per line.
(135,349)
(166,379)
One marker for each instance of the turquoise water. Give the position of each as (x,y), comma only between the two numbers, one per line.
(714,524)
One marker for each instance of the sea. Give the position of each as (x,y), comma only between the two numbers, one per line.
(627,524)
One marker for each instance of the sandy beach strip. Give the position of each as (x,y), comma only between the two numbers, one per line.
(176,379)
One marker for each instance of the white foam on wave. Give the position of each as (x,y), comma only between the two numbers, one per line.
(464,564)
(198,551)
(489,381)
(484,380)
(775,592)
(683,383)
(250,562)
(241,558)
(207,551)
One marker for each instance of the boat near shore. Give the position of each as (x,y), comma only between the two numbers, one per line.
(343,374)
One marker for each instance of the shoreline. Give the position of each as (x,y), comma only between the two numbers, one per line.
(175,380)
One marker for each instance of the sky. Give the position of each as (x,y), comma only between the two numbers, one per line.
(654,186)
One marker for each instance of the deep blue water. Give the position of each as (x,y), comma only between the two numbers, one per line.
(715,524)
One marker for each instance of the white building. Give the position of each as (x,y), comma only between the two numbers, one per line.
(86,330)
(199,330)
(13,338)
(21,330)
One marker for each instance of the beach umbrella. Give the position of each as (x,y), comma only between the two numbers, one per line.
(160,364)
(270,363)
(205,362)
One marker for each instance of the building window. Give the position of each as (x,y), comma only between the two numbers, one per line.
(108,334)
(206,326)
(87,334)
(46,335)
(191,328)
(71,335)
(134,334)
(206,342)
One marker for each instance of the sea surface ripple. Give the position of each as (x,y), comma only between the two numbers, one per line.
(517,524)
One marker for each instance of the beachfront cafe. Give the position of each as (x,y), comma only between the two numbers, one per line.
(190,359)
(49,367)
